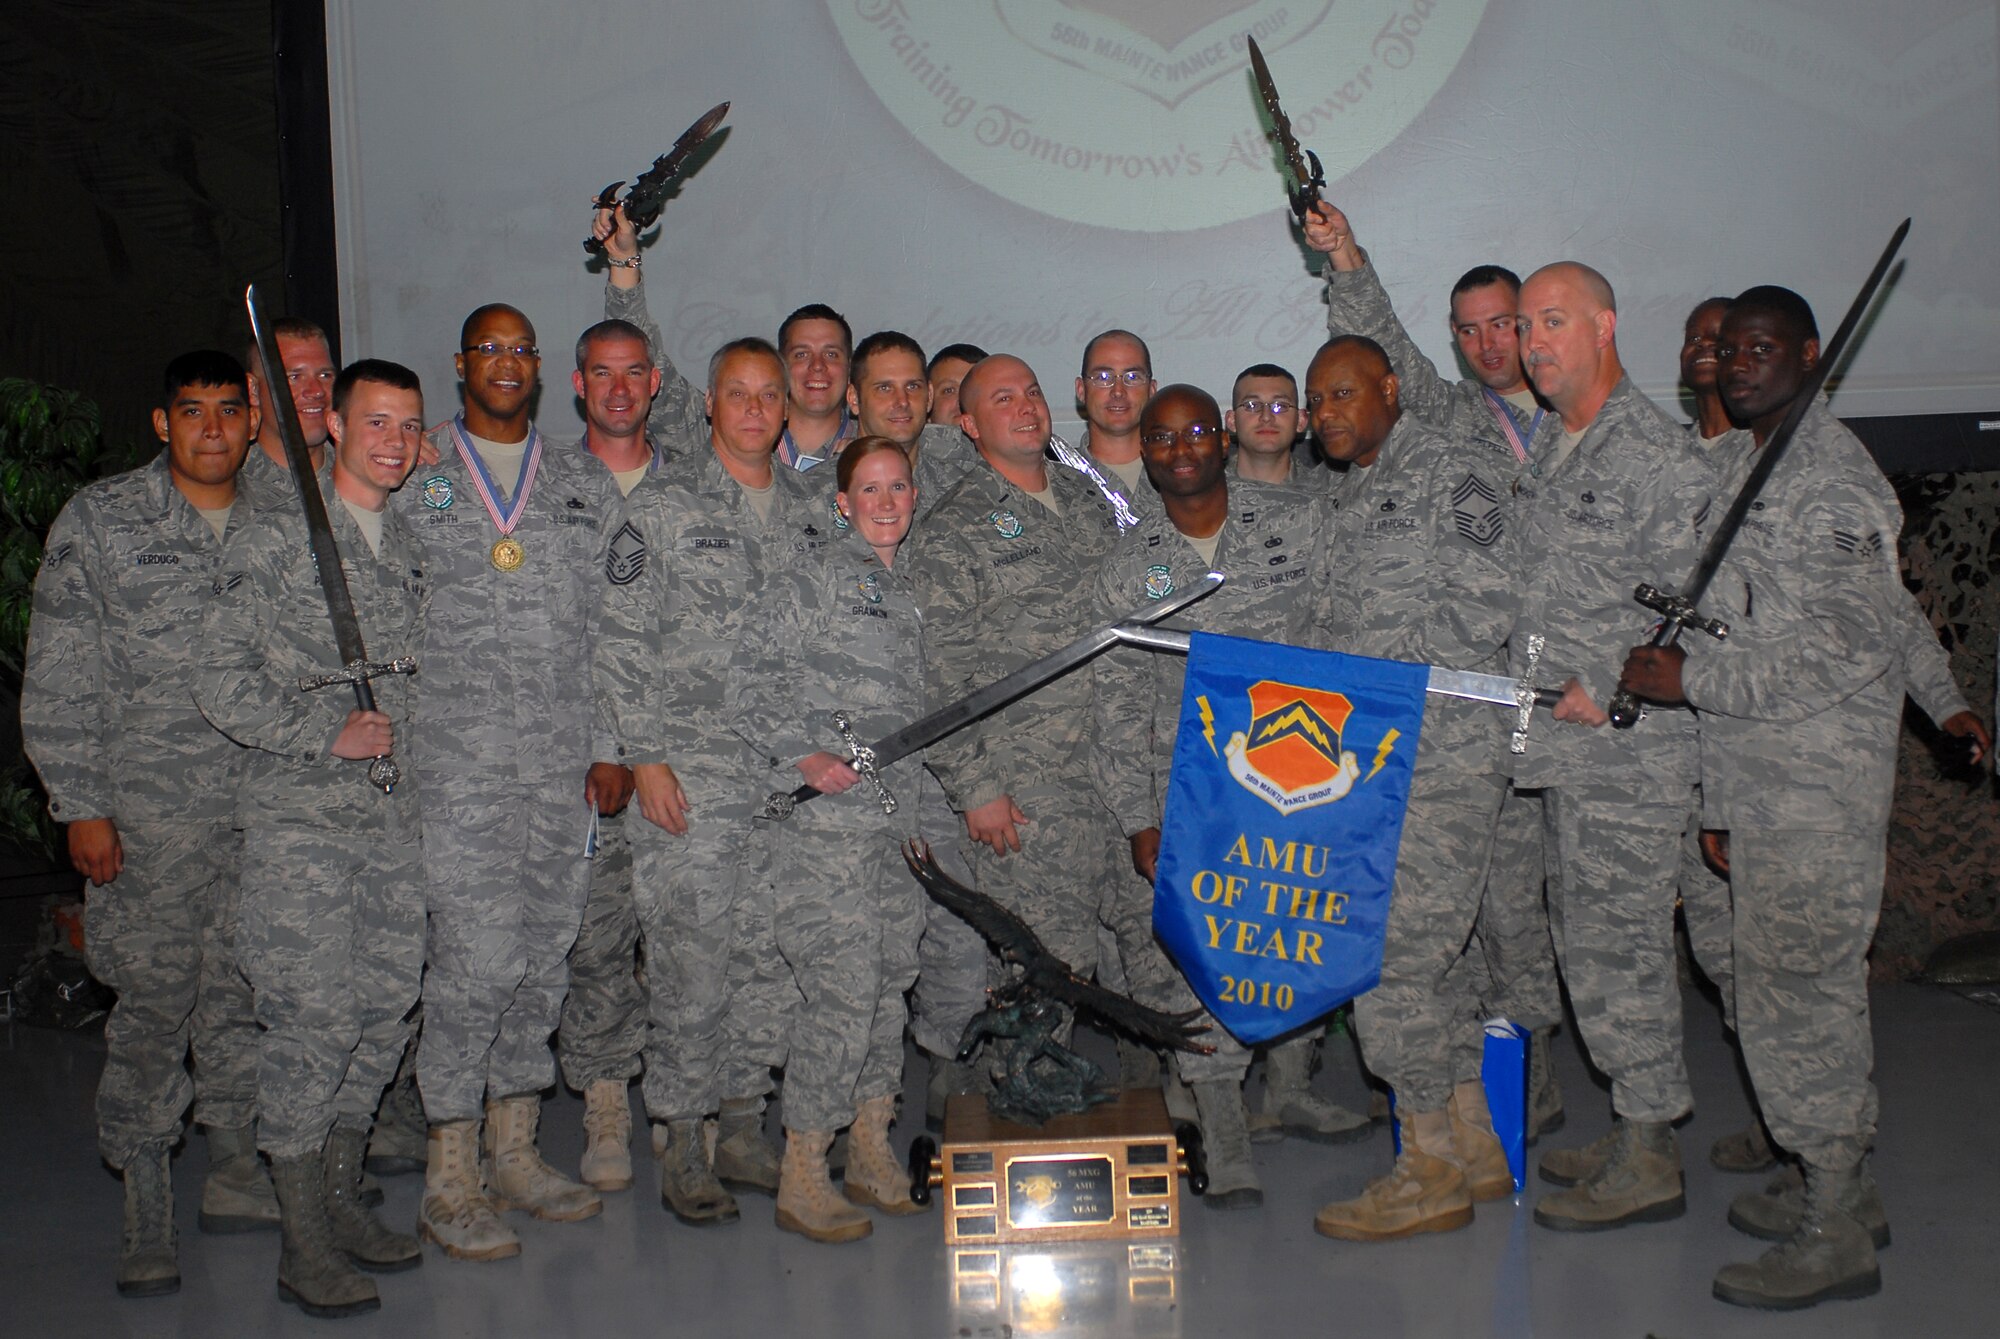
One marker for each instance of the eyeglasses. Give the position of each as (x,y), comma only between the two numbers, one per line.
(491,349)
(1103,377)
(1275,408)
(1194,434)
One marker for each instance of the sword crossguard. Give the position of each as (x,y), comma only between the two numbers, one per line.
(1679,609)
(863,761)
(778,806)
(1526,696)
(358,671)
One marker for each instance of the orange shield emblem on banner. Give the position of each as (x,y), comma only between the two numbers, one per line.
(1290,757)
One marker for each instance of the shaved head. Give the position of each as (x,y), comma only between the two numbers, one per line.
(1568,324)
(1586,282)
(1366,353)
(480,315)
(1180,393)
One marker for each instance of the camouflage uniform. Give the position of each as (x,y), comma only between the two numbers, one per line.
(1269,547)
(1624,506)
(678,421)
(504,736)
(678,581)
(1510,965)
(333,897)
(1800,713)
(1419,568)
(263,482)
(107,720)
(837,632)
(603,1029)
(996,575)
(1309,472)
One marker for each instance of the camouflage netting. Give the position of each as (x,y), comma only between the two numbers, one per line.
(1944,839)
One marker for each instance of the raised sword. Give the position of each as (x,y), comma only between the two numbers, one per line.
(649,189)
(1681,610)
(356,668)
(1302,165)
(869,759)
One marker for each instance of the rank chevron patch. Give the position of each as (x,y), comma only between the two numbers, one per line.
(1475,507)
(1865,546)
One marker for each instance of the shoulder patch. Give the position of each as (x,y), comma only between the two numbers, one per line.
(626,558)
(436,492)
(1475,510)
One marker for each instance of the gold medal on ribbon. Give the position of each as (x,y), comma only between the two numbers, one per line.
(508,553)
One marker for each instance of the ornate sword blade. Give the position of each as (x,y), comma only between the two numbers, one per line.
(1495,688)
(1306,181)
(347,640)
(648,193)
(1000,693)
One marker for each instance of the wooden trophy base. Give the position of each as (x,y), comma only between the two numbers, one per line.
(1111,1172)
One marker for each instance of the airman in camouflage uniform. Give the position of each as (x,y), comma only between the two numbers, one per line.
(889,395)
(332,935)
(1419,568)
(1267,545)
(309,372)
(996,565)
(679,578)
(147,788)
(1511,964)
(506,744)
(837,634)
(1800,713)
(1616,496)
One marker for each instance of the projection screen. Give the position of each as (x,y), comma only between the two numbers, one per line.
(1024,173)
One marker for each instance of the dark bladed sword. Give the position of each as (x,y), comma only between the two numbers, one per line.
(356,669)
(1302,165)
(870,759)
(1681,610)
(649,189)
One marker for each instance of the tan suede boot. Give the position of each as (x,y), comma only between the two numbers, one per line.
(519,1178)
(743,1158)
(806,1202)
(1640,1183)
(874,1178)
(1568,1166)
(1475,1148)
(236,1195)
(456,1213)
(607,1128)
(1745,1152)
(1423,1192)
(148,1260)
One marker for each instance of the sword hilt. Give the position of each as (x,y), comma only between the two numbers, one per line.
(1679,609)
(358,672)
(863,761)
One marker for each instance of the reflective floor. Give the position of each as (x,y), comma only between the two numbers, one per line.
(635,1271)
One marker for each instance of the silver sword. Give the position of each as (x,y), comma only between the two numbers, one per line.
(778,805)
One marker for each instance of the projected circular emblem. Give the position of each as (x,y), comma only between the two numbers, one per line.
(1140,114)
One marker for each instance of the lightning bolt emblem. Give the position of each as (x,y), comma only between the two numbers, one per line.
(1207,723)
(1382,753)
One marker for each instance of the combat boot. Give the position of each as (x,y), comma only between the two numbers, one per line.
(1288,1095)
(519,1178)
(1639,1183)
(236,1196)
(1570,1166)
(313,1273)
(1139,1065)
(1225,1139)
(607,1128)
(368,1243)
(456,1213)
(1475,1147)
(1545,1098)
(149,1255)
(806,1202)
(1828,1257)
(1424,1192)
(1773,1212)
(687,1183)
(397,1146)
(874,1178)
(744,1158)
(1745,1151)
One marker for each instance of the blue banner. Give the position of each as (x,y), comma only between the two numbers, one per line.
(1283,817)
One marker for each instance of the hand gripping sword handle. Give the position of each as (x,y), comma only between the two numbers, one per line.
(1677,612)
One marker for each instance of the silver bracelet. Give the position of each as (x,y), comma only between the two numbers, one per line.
(618,264)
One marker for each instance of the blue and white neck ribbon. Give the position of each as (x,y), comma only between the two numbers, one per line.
(1505,413)
(508,515)
(1121,507)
